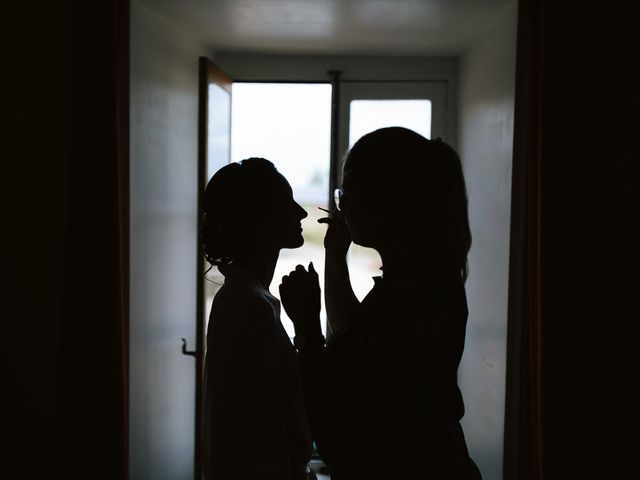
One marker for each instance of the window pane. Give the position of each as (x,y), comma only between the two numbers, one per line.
(218,129)
(369,115)
(290,125)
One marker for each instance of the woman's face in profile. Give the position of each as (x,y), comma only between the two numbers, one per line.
(283,222)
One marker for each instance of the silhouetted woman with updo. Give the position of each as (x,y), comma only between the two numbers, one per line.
(382,394)
(255,425)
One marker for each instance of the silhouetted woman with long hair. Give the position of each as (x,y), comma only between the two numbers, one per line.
(382,394)
(255,425)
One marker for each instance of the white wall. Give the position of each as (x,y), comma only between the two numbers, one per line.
(485,133)
(164,106)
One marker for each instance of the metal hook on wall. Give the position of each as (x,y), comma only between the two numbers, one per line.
(191,353)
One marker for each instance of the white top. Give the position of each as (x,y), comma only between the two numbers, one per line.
(255,425)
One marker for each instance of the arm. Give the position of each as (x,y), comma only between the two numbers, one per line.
(300,295)
(340,300)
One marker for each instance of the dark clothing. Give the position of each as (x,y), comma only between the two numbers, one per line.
(255,426)
(382,395)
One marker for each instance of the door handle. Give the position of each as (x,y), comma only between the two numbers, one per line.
(191,353)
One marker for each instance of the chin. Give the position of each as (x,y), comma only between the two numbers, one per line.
(294,242)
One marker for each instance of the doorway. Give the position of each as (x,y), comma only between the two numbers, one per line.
(295,125)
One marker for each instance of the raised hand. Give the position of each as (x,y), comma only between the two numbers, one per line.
(337,239)
(300,296)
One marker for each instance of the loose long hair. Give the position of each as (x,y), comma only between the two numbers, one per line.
(419,185)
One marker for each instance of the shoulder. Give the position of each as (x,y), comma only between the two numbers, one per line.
(241,298)
(241,308)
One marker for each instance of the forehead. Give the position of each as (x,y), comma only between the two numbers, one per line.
(279,185)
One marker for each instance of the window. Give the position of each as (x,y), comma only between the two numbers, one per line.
(368,115)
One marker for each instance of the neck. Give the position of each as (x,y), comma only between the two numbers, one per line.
(400,262)
(404,264)
(261,263)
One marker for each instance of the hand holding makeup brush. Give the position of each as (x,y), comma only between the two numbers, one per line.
(337,239)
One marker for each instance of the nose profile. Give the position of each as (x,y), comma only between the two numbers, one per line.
(303,213)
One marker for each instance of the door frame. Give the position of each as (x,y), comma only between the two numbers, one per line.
(208,73)
(248,68)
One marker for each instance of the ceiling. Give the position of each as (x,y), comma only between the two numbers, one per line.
(358,27)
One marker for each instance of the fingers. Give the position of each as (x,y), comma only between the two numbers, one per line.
(312,270)
(327,220)
(337,219)
(298,271)
(332,217)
